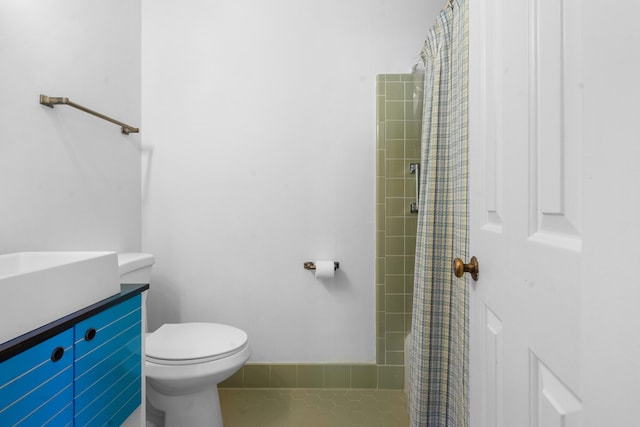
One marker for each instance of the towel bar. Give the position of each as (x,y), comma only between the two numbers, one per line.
(50,101)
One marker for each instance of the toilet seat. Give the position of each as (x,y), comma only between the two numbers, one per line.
(191,343)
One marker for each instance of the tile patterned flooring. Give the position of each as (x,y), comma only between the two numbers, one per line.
(313,408)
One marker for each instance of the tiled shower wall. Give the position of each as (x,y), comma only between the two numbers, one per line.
(399,113)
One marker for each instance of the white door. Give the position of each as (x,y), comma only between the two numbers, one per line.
(541,318)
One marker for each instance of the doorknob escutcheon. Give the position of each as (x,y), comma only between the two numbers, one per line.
(459,267)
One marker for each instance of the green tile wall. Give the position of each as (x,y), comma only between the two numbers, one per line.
(333,375)
(399,112)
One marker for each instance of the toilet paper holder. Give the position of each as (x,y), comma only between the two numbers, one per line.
(310,265)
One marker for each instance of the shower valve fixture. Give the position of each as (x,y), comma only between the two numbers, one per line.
(414,169)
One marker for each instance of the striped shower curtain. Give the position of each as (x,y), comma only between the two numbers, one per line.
(439,352)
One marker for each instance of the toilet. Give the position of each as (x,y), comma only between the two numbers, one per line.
(184,362)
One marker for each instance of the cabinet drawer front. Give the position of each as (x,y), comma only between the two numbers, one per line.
(106,371)
(108,367)
(34,389)
(106,324)
(112,339)
(114,403)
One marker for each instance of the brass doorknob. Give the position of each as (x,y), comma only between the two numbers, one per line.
(459,267)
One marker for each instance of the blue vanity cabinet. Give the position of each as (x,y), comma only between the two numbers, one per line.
(82,370)
(108,365)
(36,385)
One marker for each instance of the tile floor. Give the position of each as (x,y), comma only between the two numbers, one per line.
(313,408)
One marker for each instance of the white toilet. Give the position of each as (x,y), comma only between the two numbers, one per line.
(186,361)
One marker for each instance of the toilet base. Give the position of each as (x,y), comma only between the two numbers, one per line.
(188,393)
(201,408)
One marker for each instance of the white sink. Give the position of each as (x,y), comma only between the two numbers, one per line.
(39,287)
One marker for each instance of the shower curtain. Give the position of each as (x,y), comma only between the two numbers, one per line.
(439,352)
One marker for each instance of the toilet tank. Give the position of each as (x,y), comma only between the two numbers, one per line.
(135,267)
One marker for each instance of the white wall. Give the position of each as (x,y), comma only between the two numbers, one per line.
(259,121)
(69,181)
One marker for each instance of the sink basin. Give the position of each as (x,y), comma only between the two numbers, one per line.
(39,287)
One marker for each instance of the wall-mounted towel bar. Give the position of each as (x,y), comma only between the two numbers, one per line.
(50,101)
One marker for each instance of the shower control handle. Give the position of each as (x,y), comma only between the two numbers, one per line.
(473,268)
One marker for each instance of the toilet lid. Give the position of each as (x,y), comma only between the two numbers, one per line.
(185,343)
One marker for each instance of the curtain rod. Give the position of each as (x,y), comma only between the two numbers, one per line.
(50,101)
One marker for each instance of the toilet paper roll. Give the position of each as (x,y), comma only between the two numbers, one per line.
(324,269)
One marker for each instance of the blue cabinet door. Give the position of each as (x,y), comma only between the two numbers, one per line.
(108,365)
(36,386)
